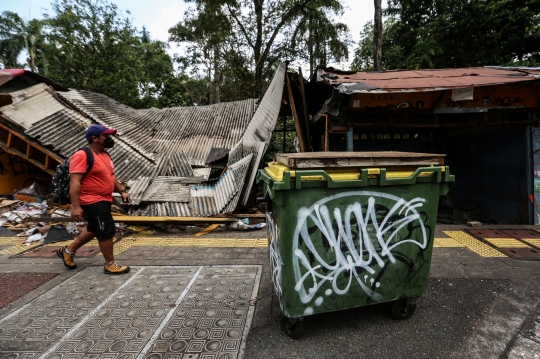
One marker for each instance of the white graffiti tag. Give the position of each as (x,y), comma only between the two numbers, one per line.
(275,256)
(360,240)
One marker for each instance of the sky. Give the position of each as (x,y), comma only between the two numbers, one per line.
(160,15)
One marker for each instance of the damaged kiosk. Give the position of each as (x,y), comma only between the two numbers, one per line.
(350,229)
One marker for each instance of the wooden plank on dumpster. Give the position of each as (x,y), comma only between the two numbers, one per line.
(358,159)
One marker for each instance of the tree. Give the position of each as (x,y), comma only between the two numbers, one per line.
(255,34)
(363,55)
(16,36)
(318,39)
(207,46)
(91,47)
(155,69)
(459,33)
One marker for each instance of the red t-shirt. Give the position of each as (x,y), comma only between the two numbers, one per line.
(98,184)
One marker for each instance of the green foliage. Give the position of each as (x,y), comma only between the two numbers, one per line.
(317,38)
(91,47)
(457,33)
(16,35)
(281,142)
(248,37)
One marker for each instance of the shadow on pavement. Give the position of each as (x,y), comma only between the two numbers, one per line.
(444,317)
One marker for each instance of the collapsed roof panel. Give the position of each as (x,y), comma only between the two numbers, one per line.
(160,153)
(207,200)
(261,126)
(194,129)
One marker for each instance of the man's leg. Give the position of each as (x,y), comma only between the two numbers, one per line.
(111,265)
(80,241)
(107,250)
(68,252)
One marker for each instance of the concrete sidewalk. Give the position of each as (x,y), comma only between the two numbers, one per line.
(213,298)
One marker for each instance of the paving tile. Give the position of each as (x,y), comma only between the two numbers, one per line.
(172,311)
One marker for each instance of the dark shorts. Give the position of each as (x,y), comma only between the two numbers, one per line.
(100,220)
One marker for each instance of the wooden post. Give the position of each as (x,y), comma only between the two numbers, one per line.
(350,139)
(284,133)
(295,116)
(306,117)
(326,144)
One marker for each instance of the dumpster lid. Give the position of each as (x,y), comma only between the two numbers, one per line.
(276,170)
(358,159)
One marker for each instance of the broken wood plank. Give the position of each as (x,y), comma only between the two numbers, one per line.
(207,230)
(358,159)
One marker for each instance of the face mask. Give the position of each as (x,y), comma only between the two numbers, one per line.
(108,142)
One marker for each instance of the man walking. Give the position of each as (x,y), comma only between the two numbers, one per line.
(91,199)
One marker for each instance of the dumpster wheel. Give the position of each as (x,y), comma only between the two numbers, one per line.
(293,327)
(403,308)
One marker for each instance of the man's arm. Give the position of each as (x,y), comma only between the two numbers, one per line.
(74,193)
(119,188)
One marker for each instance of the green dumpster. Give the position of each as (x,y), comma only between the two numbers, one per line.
(346,232)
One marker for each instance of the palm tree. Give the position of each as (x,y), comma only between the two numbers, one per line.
(17,35)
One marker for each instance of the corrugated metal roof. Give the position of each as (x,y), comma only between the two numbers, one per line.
(195,130)
(160,153)
(419,80)
(32,105)
(261,126)
(49,121)
(166,209)
(167,189)
(208,200)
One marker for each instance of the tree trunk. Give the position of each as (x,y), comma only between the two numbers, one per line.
(310,47)
(259,63)
(377,36)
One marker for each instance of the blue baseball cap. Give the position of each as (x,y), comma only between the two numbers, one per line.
(96,130)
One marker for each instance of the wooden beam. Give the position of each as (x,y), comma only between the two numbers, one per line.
(141,219)
(295,115)
(326,140)
(25,139)
(448,124)
(304,104)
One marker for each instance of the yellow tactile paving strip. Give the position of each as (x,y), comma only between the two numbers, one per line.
(532,241)
(205,242)
(128,242)
(15,245)
(446,243)
(506,243)
(474,244)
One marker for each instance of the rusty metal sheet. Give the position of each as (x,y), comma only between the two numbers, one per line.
(528,254)
(488,233)
(435,79)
